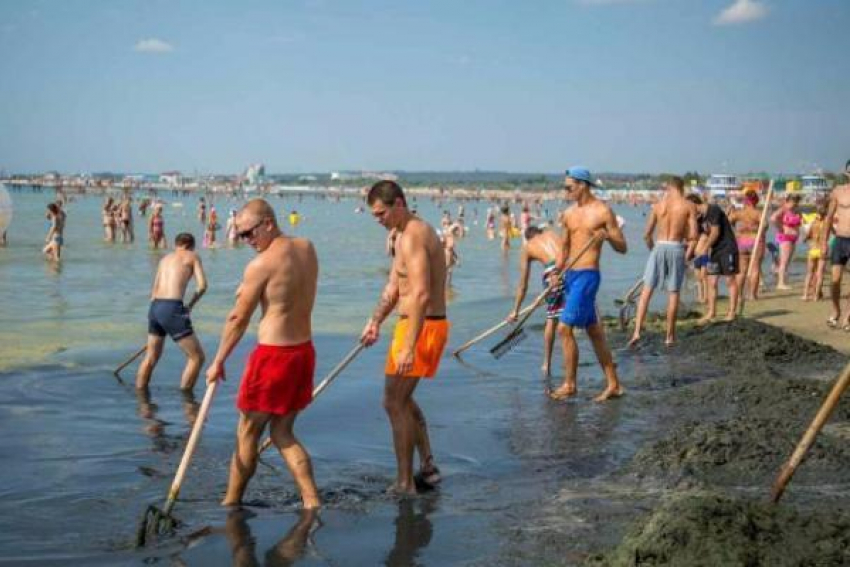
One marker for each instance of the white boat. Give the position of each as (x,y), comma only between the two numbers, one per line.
(722,184)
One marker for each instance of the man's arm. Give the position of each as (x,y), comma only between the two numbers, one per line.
(522,286)
(386,303)
(649,231)
(693,232)
(198,268)
(713,236)
(250,292)
(415,257)
(614,233)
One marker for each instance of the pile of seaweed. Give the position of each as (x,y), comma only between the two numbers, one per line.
(706,528)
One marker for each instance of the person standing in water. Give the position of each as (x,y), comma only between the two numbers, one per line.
(55,238)
(675,220)
(417,287)
(507,227)
(542,246)
(168,316)
(588,218)
(125,218)
(156,228)
(277,383)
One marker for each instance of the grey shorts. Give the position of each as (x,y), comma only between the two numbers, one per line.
(665,266)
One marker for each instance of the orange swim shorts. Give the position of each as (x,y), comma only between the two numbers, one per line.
(429,347)
(278,379)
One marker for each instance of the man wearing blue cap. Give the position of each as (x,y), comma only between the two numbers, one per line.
(588,220)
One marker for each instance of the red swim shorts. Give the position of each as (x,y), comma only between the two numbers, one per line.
(278,379)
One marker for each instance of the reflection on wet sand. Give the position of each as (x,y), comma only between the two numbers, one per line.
(413,530)
(155,427)
(285,552)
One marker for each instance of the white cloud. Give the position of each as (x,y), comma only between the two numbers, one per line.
(152,45)
(741,12)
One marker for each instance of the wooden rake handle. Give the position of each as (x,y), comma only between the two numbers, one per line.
(742,293)
(826,409)
(194,438)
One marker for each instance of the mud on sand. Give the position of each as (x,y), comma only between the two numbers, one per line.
(696,490)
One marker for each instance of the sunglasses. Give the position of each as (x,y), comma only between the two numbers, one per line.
(249,233)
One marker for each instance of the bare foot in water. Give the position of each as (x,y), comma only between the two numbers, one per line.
(704,321)
(609,393)
(634,341)
(563,392)
(669,341)
(729,318)
(396,490)
(547,373)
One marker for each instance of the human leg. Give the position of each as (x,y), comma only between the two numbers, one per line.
(428,470)
(835,292)
(711,299)
(549,332)
(808,281)
(152,354)
(296,457)
(785,249)
(818,284)
(568,340)
(732,285)
(244,460)
(613,388)
(398,394)
(640,316)
(195,357)
(672,312)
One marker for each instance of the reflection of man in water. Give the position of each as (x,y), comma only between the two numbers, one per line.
(417,286)
(413,531)
(278,380)
(587,219)
(541,246)
(155,427)
(675,219)
(168,315)
(243,545)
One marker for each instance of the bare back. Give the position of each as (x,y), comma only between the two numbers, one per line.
(416,238)
(544,247)
(745,221)
(289,271)
(672,216)
(173,275)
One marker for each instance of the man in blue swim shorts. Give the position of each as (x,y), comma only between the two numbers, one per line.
(589,218)
(168,316)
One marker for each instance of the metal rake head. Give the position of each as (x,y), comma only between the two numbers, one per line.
(155,523)
(513,339)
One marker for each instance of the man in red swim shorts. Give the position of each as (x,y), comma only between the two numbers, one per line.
(417,284)
(278,381)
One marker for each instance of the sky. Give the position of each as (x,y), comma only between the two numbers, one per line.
(321,85)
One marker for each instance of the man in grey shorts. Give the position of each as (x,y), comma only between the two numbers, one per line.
(168,316)
(675,219)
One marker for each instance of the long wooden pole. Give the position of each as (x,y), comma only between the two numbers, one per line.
(826,409)
(492,330)
(742,293)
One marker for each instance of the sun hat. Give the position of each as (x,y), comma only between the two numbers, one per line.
(581,174)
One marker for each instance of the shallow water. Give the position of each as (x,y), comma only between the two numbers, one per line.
(88,455)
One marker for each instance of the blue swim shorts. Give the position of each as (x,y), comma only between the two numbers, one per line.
(580,287)
(169,316)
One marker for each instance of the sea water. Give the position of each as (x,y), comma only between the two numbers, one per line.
(83,454)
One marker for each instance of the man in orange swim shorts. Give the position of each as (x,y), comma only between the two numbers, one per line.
(278,381)
(416,285)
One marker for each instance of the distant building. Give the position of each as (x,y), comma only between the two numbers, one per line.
(171,178)
(255,174)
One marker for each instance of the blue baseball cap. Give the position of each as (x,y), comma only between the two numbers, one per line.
(581,174)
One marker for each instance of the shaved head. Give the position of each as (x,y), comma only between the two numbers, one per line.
(257,209)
